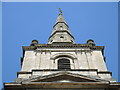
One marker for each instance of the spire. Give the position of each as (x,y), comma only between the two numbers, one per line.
(60,17)
(61,32)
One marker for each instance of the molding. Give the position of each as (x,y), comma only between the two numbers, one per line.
(61,31)
(60,22)
(53,57)
(104,72)
(63,46)
(23,72)
(44,50)
(61,85)
(64,70)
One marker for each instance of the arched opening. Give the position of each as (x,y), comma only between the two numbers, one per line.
(61,28)
(63,64)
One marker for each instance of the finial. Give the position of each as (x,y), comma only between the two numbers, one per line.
(60,11)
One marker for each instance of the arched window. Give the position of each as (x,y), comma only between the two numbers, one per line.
(63,64)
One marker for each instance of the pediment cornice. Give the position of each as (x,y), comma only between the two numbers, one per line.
(64,76)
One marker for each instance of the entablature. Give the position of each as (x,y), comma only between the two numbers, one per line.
(63,46)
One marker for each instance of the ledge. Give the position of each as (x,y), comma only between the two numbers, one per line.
(62,46)
(65,70)
(59,85)
(61,31)
(23,73)
(104,72)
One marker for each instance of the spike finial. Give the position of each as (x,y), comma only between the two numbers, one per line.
(60,11)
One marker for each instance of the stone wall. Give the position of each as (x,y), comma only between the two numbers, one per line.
(79,59)
(47,58)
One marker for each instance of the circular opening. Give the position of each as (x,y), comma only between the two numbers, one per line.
(61,37)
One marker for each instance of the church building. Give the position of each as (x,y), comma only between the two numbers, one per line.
(63,64)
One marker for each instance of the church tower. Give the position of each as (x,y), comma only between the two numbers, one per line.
(63,64)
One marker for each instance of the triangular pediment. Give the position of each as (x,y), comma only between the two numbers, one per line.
(64,77)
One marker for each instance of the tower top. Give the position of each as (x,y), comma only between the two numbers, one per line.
(61,32)
(60,18)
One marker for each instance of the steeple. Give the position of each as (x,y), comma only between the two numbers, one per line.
(60,17)
(61,32)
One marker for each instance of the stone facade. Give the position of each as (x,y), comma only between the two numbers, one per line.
(82,61)
(63,65)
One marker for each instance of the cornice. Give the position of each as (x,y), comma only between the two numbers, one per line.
(62,46)
(60,22)
(65,70)
(61,31)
